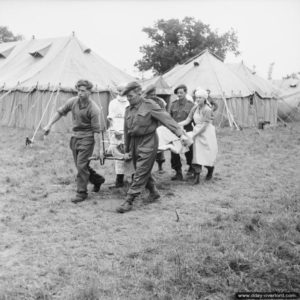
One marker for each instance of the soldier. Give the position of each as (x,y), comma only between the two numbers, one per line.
(85,141)
(141,141)
(179,111)
(116,112)
(150,93)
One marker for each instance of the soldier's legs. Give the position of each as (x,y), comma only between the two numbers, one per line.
(189,156)
(197,170)
(176,165)
(82,149)
(175,161)
(150,185)
(160,159)
(144,165)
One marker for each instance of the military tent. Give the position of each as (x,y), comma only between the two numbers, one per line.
(265,94)
(37,76)
(234,96)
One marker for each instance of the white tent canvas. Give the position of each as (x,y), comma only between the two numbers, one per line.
(37,76)
(234,96)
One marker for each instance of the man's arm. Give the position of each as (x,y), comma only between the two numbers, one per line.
(53,120)
(98,152)
(164,118)
(189,118)
(126,137)
(62,111)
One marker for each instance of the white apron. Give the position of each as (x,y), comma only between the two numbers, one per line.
(205,147)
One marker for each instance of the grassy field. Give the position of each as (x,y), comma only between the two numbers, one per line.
(239,232)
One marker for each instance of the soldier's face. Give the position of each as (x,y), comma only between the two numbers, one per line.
(181,94)
(133,97)
(83,93)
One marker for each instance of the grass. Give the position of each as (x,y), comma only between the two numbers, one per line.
(240,232)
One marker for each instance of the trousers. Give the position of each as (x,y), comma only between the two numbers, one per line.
(82,149)
(144,150)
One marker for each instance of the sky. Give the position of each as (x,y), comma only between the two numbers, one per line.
(268,30)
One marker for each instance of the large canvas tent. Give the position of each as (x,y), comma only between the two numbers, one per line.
(37,76)
(265,94)
(235,97)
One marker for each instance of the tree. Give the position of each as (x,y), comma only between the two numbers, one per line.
(8,36)
(175,41)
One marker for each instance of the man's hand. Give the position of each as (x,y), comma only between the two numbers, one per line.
(127,156)
(98,154)
(184,140)
(47,129)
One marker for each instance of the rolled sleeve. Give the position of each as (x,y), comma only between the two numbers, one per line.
(64,109)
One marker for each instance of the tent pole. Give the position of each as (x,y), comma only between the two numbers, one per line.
(230,116)
(222,116)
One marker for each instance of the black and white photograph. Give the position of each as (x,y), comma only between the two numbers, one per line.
(149,149)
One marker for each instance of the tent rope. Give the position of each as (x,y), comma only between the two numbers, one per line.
(55,103)
(40,122)
(32,106)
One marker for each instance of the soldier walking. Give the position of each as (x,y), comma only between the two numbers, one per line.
(142,117)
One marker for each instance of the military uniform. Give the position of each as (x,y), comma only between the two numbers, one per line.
(179,111)
(85,118)
(141,140)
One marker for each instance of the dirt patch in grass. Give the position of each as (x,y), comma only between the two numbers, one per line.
(239,232)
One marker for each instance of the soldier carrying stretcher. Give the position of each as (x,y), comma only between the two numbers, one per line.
(142,117)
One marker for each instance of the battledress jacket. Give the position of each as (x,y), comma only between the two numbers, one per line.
(141,121)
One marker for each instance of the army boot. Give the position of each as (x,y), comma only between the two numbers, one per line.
(190,171)
(196,178)
(80,196)
(178,175)
(210,171)
(126,205)
(154,194)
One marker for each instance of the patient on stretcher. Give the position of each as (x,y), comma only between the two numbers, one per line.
(169,141)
